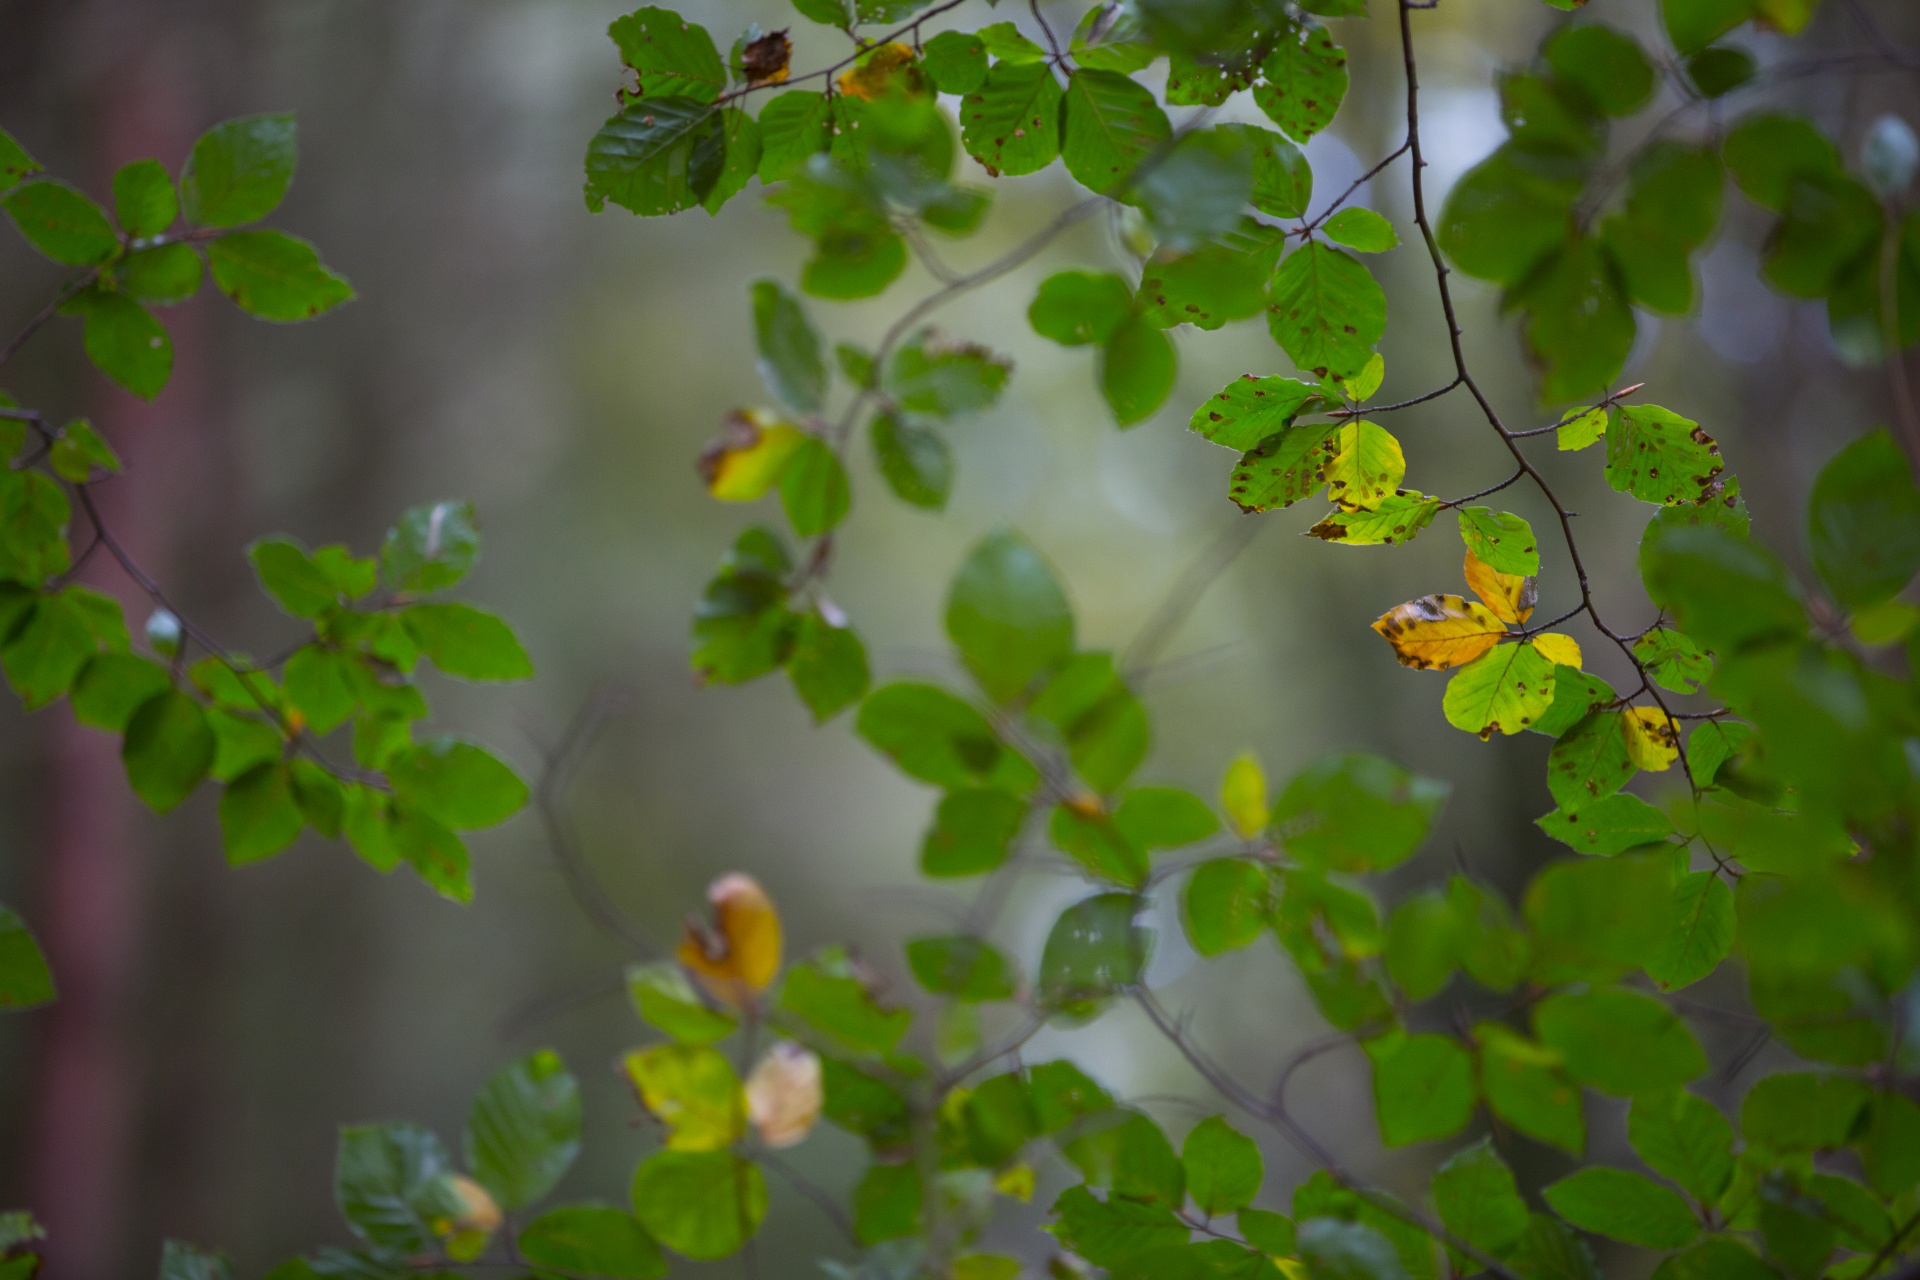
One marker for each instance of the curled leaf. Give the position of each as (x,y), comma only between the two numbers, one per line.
(466,1232)
(754,447)
(1555,647)
(764,61)
(784,1094)
(1510,596)
(1434,633)
(1653,740)
(881,70)
(737,954)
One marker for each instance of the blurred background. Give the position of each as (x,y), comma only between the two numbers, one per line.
(563,370)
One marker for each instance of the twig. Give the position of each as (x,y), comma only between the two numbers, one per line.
(805,1186)
(1187,589)
(1364,410)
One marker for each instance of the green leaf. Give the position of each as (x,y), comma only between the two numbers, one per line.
(1200,188)
(1356,813)
(1659,456)
(432,547)
(1336,1250)
(434,851)
(961,966)
(1890,1146)
(1694,24)
(937,738)
(971,832)
(1249,412)
(1210,285)
(1076,308)
(258,814)
(1303,81)
(15,163)
(1715,1258)
(144,199)
(1609,68)
(1674,661)
(861,1104)
(671,56)
(1713,744)
(662,995)
(1595,918)
(168,749)
(956,62)
(1361,229)
(828,666)
(1327,311)
(1137,368)
(841,1007)
(643,158)
(886,1203)
(945,379)
(78,450)
(1320,1197)
(704,1204)
(125,341)
(1423,1086)
(1109,124)
(693,1091)
(1478,1199)
(1290,465)
(274,276)
(466,642)
(1501,540)
(1107,1232)
(1803,1111)
(1506,215)
(1225,906)
(813,488)
(111,688)
(1580,323)
(320,684)
(1104,725)
(1863,522)
(523,1130)
(291,577)
(1164,818)
(1619,1041)
(1552,1250)
(1768,153)
(391,1181)
(1125,1152)
(594,1240)
(1011,124)
(1686,1139)
(793,127)
(459,783)
(1223,1167)
(915,460)
(1610,825)
(1093,950)
(1702,933)
(46,656)
(1526,1088)
(182,1261)
(1425,938)
(163,275)
(1061,1093)
(1093,840)
(1726,592)
(239,170)
(61,222)
(25,980)
(1623,1206)
(1271,1233)
(1590,762)
(1007,615)
(790,360)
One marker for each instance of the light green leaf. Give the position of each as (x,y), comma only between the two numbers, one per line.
(163,275)
(961,966)
(842,1008)
(1225,905)
(1501,540)
(1505,690)
(1479,1201)
(1361,229)
(594,1240)
(1608,67)
(274,276)
(704,1204)
(259,815)
(793,127)
(1423,1086)
(828,666)
(1137,368)
(1659,456)
(144,199)
(915,460)
(1011,124)
(239,170)
(1425,938)
(467,642)
(1686,1139)
(1075,308)
(111,688)
(1107,1232)
(1303,81)
(1223,1167)
(662,995)
(1610,825)
(15,163)
(944,379)
(956,62)
(886,1203)
(813,488)
(1007,615)
(937,738)
(671,56)
(1397,520)
(1590,762)
(124,340)
(1674,661)
(1356,813)
(523,1130)
(459,783)
(1623,1206)
(1595,918)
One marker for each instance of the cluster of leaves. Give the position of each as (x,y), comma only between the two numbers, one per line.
(259,728)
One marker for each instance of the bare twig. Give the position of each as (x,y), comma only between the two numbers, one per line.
(1185,593)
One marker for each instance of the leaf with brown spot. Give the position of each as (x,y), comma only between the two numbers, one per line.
(1503,691)
(1367,466)
(1434,633)
(1397,520)
(1510,596)
(1653,740)
(1659,456)
(1282,469)
(1590,761)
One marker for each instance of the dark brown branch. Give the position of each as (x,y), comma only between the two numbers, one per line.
(1364,410)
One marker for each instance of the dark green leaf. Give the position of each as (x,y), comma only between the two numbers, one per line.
(144,199)
(1425,938)
(466,642)
(1423,1086)
(1327,311)
(1200,188)
(1693,24)
(927,376)
(1479,1200)
(320,684)
(1137,368)
(1525,1087)
(1104,725)
(1716,1258)
(1686,1139)
(1110,123)
(961,966)
(1623,1206)
(112,686)
(523,1131)
(25,980)
(1223,1167)
(1619,1041)
(125,341)
(15,163)
(291,577)
(1164,818)
(1674,661)
(258,814)
(937,738)
(1726,592)
(790,360)
(1505,216)
(1093,951)
(1107,1232)
(1587,765)
(1863,522)
(1356,813)
(886,1203)
(1282,179)
(61,222)
(1093,840)
(704,1204)
(1702,933)
(1575,693)
(1208,286)
(1581,324)
(1551,1250)
(861,1104)
(828,666)
(915,460)
(1303,81)
(793,127)
(1890,1144)
(1607,66)
(182,1261)
(813,488)
(461,784)
(1271,1233)
(971,831)
(1767,153)
(391,1181)
(1594,918)
(1803,1111)
(46,656)
(168,749)
(1336,1250)
(163,275)
(1225,905)
(274,276)
(643,158)
(239,170)
(594,1240)
(1125,1152)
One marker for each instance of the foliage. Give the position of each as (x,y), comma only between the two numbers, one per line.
(1779,841)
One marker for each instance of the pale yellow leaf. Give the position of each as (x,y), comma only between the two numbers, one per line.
(1367,466)
(1437,632)
(1510,596)
(1653,741)
(736,955)
(784,1094)
(1016,1183)
(880,70)
(692,1090)
(1364,383)
(1555,647)
(1243,794)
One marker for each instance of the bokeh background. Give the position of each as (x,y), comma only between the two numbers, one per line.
(563,370)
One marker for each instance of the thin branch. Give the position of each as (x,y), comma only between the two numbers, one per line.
(819,1198)
(1492,489)
(1364,410)
(47,313)
(1355,185)
(1574,415)
(1188,588)
(911,28)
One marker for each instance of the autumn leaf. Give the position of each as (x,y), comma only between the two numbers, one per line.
(1653,740)
(1395,521)
(736,956)
(1243,794)
(1505,690)
(753,449)
(1367,466)
(1510,596)
(1434,633)
(784,1094)
(880,70)
(1555,647)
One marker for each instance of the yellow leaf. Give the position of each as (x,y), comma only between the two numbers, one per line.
(753,449)
(693,1091)
(1437,632)
(1016,1183)
(1581,431)
(784,1094)
(1653,741)
(1510,596)
(1292,1268)
(985,1266)
(1243,794)
(737,955)
(1367,466)
(1555,647)
(1364,383)
(879,70)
